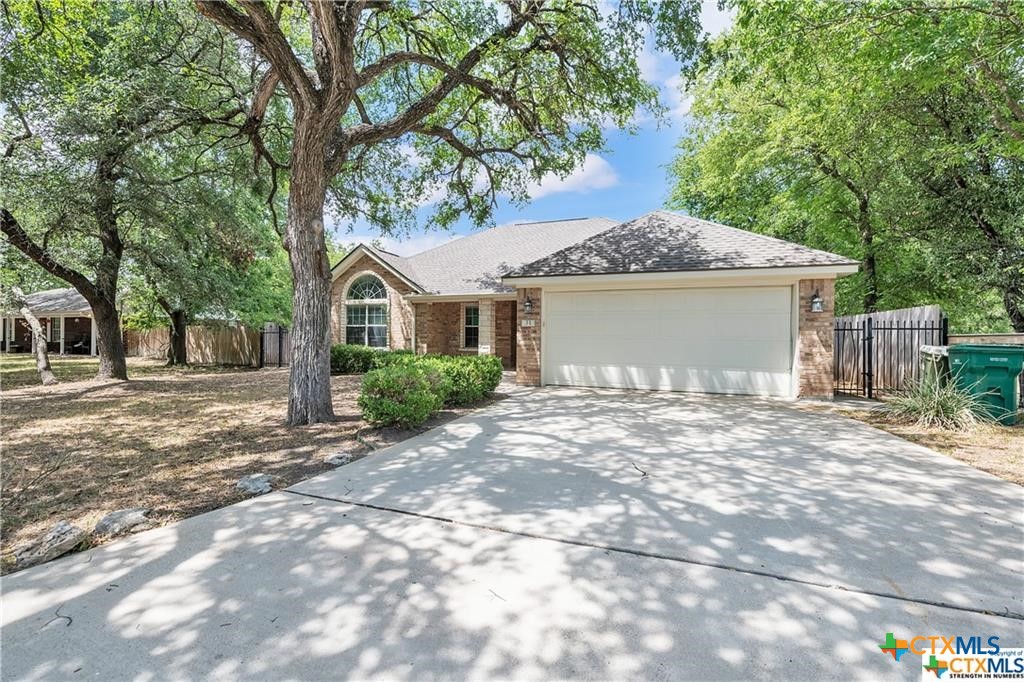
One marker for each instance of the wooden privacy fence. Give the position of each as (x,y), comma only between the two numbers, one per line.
(879,352)
(275,346)
(204,345)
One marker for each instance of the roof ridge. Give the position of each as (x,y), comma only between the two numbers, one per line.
(752,233)
(596,235)
(502,227)
(438,246)
(556,220)
(714,246)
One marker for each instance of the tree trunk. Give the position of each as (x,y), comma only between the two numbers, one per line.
(870,265)
(177,348)
(1013,302)
(39,338)
(109,343)
(309,389)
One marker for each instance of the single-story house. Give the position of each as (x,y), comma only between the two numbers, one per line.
(66,319)
(663,302)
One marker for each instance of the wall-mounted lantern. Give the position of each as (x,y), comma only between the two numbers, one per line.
(817,303)
(528,306)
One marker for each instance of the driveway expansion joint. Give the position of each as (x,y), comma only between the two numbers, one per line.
(662,556)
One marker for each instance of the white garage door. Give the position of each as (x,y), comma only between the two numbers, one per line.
(724,340)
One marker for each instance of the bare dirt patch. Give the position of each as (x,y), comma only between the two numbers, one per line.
(993,448)
(998,450)
(175,441)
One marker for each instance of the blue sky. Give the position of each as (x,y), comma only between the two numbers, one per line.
(627,179)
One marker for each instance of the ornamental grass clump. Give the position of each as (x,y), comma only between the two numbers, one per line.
(931,402)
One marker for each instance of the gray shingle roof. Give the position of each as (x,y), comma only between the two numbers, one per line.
(668,242)
(56,301)
(475,264)
(397,262)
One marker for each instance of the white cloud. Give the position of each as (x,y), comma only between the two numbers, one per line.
(595,173)
(676,99)
(714,20)
(650,61)
(661,70)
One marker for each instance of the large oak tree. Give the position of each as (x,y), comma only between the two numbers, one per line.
(104,155)
(390,101)
(892,132)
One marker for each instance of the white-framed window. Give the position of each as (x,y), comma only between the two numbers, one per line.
(366,313)
(471,327)
(55,328)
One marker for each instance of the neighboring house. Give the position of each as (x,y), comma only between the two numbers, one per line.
(663,302)
(65,317)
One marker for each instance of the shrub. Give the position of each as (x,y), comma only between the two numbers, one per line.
(406,389)
(474,378)
(465,379)
(354,359)
(930,402)
(402,395)
(392,357)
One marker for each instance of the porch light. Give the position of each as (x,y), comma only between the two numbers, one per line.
(817,302)
(528,306)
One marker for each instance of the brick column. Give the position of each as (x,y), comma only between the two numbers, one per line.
(422,315)
(814,342)
(487,340)
(528,339)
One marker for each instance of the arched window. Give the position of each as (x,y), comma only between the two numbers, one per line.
(367,288)
(366,313)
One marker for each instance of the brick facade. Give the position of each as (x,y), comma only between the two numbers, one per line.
(399,310)
(528,339)
(814,341)
(505,332)
(439,328)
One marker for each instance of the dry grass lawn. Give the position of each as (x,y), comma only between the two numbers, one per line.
(173,440)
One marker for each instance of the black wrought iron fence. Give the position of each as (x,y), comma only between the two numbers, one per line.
(872,357)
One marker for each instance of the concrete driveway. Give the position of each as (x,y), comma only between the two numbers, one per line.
(557,534)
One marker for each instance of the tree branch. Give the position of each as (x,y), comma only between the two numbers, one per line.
(260,28)
(21,241)
(1012,103)
(428,103)
(20,137)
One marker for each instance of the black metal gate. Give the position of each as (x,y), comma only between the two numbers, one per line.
(275,346)
(871,358)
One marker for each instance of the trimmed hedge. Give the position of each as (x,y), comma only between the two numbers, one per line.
(392,394)
(400,395)
(353,359)
(468,378)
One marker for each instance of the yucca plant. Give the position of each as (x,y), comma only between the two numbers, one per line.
(932,402)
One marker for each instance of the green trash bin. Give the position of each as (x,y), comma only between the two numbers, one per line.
(990,372)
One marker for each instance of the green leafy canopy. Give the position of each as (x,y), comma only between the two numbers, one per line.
(887,131)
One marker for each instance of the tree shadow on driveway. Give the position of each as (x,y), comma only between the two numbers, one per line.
(282,587)
(286,586)
(742,482)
